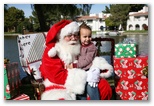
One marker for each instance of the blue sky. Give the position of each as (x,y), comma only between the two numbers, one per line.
(25,7)
(96,8)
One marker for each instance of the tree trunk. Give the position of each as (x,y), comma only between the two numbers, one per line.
(41,18)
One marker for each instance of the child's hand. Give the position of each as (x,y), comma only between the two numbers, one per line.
(70,66)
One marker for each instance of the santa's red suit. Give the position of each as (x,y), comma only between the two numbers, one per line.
(61,83)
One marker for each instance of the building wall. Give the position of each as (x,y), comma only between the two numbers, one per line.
(137,22)
(96,22)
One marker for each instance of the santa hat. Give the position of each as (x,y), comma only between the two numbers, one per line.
(71,28)
(54,31)
(60,30)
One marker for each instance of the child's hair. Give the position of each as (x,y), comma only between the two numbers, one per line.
(85,26)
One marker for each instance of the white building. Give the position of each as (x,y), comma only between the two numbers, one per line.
(95,21)
(138,20)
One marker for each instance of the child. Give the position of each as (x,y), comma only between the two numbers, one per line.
(87,53)
(87,60)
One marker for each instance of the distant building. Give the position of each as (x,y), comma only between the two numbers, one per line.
(95,21)
(138,20)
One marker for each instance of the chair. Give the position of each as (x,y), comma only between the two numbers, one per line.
(107,53)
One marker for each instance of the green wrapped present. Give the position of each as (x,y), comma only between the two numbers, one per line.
(6,85)
(125,50)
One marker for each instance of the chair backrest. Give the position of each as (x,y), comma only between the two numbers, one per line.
(105,47)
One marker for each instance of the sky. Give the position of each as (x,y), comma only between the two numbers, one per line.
(25,7)
(96,8)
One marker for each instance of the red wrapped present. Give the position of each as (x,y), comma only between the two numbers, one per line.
(22,97)
(131,83)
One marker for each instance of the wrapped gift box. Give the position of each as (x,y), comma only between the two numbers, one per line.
(12,81)
(22,97)
(6,85)
(131,84)
(125,50)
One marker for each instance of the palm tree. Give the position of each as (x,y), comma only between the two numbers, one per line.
(5,7)
(40,15)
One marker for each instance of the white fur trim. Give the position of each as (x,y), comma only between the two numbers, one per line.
(47,83)
(76,80)
(57,94)
(102,64)
(52,52)
(109,73)
(71,28)
(75,84)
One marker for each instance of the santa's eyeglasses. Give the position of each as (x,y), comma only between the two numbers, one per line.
(73,35)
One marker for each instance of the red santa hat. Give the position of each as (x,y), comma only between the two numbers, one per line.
(71,28)
(60,29)
(58,32)
(54,31)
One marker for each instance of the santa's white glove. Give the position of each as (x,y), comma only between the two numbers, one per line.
(93,76)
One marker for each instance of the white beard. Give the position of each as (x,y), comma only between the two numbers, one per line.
(68,51)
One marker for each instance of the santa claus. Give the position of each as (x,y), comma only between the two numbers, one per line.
(60,82)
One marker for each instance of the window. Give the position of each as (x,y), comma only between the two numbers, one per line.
(89,21)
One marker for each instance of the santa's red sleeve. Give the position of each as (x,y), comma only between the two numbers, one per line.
(105,89)
(53,69)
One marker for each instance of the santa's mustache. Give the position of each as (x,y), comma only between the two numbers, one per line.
(72,42)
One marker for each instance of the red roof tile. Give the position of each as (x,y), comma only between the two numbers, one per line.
(89,17)
(140,14)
